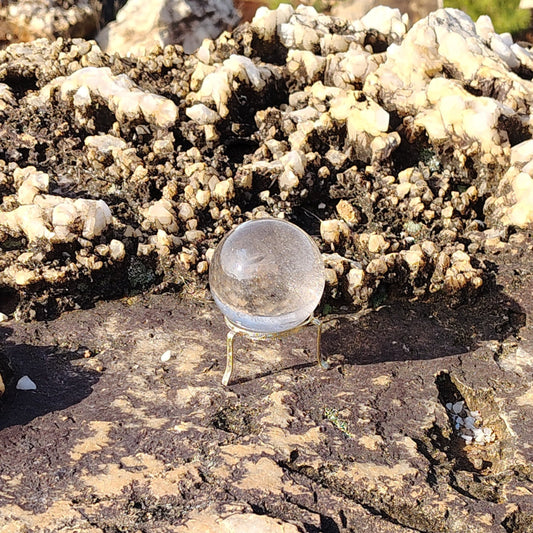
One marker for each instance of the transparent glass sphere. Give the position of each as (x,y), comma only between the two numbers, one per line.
(267,275)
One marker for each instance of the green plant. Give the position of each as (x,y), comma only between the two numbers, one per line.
(333,416)
(505,14)
(319,5)
(327,310)
(273,4)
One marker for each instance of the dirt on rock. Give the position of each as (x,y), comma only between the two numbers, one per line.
(114,439)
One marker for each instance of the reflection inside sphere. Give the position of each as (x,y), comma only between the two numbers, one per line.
(267,275)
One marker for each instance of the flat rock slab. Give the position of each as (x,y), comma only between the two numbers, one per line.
(114,439)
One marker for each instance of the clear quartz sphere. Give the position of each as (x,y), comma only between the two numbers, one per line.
(267,275)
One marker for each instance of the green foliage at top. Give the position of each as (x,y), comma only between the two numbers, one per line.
(319,5)
(505,14)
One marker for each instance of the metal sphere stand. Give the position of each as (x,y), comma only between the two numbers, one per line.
(235,330)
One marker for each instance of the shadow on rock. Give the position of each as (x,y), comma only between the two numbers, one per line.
(60,379)
(281,370)
(423,330)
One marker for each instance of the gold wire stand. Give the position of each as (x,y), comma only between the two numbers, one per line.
(235,330)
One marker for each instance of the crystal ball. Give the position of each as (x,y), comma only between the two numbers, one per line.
(267,276)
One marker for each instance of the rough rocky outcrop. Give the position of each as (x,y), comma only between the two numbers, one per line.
(138,26)
(141,25)
(415,9)
(117,437)
(26,20)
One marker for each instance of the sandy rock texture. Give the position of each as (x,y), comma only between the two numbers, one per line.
(115,438)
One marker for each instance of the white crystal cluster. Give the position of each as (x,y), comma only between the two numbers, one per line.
(40,217)
(54,218)
(122,96)
(437,73)
(6,96)
(515,190)
(218,84)
(408,144)
(469,424)
(303,28)
(456,80)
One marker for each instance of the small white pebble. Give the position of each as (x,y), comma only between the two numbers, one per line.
(166,356)
(470,422)
(458,407)
(479,435)
(449,406)
(25,383)
(475,414)
(487,431)
(467,438)
(321,206)
(3,317)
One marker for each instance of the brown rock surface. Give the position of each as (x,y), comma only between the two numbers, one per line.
(113,438)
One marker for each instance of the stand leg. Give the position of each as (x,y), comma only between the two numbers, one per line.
(321,361)
(229,357)
(234,330)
